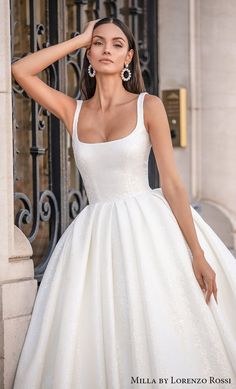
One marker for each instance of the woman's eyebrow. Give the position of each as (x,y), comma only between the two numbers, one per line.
(116,37)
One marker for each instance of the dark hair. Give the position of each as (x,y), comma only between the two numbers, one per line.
(135,84)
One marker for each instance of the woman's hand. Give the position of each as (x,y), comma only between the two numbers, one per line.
(88,31)
(205,276)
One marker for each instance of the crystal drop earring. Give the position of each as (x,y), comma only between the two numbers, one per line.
(89,71)
(125,69)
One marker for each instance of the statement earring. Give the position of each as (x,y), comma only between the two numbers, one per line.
(125,69)
(89,71)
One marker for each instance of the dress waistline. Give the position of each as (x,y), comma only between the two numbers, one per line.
(120,197)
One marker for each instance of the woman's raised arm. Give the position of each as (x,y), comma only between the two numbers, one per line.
(25,73)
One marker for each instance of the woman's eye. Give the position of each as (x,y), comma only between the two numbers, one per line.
(98,43)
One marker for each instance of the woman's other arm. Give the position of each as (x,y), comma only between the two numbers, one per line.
(174,190)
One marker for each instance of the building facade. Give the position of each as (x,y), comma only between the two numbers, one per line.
(182,44)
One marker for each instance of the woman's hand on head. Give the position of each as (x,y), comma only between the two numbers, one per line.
(88,32)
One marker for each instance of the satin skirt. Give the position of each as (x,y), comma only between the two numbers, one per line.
(119,306)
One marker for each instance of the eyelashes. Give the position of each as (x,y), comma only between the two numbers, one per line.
(101,43)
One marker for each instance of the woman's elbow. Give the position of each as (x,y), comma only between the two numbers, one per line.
(17,70)
(14,70)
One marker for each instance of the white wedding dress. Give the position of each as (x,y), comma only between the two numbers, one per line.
(119,306)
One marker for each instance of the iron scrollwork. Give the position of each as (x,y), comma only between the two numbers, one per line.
(55,195)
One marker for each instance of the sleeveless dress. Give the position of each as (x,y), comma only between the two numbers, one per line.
(119,306)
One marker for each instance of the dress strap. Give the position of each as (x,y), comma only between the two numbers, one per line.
(75,120)
(140,108)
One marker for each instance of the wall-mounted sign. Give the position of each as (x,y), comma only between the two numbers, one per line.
(175,102)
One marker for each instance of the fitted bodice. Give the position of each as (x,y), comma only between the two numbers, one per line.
(114,168)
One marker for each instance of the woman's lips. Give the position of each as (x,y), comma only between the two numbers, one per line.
(106,61)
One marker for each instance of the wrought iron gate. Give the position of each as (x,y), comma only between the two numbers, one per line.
(49,191)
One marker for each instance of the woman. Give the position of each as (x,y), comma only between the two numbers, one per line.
(129,297)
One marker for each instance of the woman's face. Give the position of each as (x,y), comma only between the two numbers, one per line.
(109,42)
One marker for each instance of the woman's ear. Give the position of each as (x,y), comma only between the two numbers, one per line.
(88,53)
(130,55)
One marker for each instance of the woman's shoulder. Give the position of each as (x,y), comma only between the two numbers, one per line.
(152,100)
(152,104)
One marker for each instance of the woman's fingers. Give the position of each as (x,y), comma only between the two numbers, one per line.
(209,291)
(205,276)
(201,282)
(215,291)
(211,288)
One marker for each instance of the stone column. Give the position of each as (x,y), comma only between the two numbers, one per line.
(18,287)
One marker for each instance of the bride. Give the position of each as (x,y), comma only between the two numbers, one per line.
(139,289)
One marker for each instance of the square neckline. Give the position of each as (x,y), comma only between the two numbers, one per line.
(75,129)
